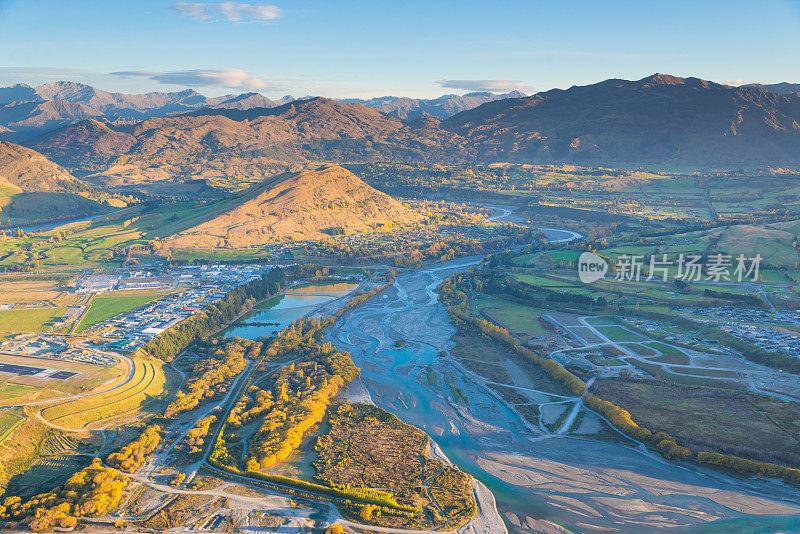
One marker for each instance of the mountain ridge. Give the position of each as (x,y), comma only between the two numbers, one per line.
(657,120)
(26,112)
(442,107)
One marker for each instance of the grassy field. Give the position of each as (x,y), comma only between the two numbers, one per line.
(525,259)
(48,472)
(514,317)
(11,393)
(665,349)
(676,359)
(641,350)
(618,333)
(107,306)
(773,243)
(29,319)
(191,254)
(718,373)
(605,361)
(568,256)
(21,448)
(26,289)
(541,281)
(739,423)
(10,418)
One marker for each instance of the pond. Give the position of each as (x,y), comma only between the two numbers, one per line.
(273,315)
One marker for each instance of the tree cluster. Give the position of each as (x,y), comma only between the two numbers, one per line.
(133,455)
(212,375)
(91,492)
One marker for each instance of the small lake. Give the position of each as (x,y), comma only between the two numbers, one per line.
(274,314)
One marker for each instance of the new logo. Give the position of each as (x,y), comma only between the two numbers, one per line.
(591,267)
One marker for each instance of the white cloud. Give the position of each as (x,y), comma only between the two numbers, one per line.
(492,86)
(194,11)
(737,82)
(230,11)
(232,78)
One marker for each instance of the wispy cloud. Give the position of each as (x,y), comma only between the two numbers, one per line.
(230,11)
(232,78)
(492,86)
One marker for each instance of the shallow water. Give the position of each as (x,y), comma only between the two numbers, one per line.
(627,488)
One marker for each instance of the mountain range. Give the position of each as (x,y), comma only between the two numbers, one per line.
(26,111)
(442,107)
(657,121)
(246,145)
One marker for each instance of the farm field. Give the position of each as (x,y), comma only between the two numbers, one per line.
(772,242)
(27,289)
(542,281)
(30,319)
(512,316)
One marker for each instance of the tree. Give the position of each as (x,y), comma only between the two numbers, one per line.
(365,512)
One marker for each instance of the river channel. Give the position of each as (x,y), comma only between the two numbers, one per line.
(541,481)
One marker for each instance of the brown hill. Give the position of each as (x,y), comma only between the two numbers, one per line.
(659,119)
(306,205)
(235,145)
(303,130)
(31,171)
(33,188)
(85,145)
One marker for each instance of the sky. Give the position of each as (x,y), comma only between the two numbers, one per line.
(362,49)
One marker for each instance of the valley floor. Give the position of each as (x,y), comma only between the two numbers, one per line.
(543,477)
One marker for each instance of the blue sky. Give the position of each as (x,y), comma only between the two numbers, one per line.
(356,48)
